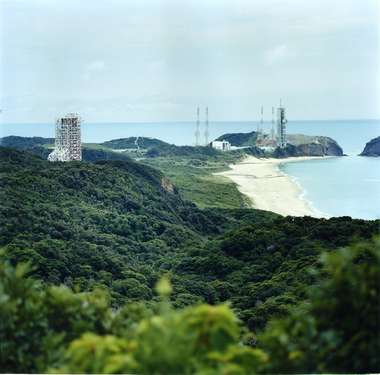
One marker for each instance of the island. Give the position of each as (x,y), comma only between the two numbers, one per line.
(372,148)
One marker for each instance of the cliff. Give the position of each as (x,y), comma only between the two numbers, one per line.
(305,145)
(372,148)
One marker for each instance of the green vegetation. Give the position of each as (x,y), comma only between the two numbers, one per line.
(130,143)
(99,236)
(119,225)
(43,146)
(191,169)
(25,143)
(196,180)
(337,331)
(240,139)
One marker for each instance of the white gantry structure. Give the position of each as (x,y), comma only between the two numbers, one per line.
(68,144)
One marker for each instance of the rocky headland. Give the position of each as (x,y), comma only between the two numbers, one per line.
(372,148)
(298,144)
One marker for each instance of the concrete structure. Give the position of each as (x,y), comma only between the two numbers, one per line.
(221,145)
(68,144)
(281,127)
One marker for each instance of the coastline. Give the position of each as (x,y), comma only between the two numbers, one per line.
(269,188)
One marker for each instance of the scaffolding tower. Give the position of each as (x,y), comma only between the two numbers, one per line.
(68,144)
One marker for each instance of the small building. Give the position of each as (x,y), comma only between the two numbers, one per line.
(267,148)
(221,145)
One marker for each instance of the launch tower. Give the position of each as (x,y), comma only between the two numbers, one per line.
(281,127)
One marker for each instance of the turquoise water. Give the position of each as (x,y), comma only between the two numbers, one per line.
(339,186)
(343,186)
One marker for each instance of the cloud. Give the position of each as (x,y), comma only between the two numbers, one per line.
(277,54)
(93,68)
(226,54)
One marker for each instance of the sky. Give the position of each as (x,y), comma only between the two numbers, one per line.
(157,60)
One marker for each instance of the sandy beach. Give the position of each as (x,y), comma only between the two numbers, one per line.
(270,189)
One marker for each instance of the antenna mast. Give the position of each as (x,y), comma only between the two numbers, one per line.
(272,130)
(197,133)
(206,127)
(259,124)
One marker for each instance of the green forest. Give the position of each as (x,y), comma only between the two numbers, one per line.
(160,267)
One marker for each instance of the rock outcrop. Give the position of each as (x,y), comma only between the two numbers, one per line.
(306,145)
(372,148)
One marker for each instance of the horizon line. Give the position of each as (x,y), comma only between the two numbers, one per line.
(191,121)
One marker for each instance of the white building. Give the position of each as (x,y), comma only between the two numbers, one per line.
(221,145)
(67,139)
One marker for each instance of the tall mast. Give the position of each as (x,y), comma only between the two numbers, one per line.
(272,130)
(197,133)
(206,127)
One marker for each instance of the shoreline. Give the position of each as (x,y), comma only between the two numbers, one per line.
(271,189)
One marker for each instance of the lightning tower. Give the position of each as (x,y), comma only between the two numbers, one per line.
(197,132)
(272,129)
(260,124)
(206,127)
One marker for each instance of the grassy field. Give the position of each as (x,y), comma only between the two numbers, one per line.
(196,181)
(195,177)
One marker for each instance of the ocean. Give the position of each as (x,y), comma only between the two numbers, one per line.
(336,186)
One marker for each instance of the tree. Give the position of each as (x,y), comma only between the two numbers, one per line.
(339,329)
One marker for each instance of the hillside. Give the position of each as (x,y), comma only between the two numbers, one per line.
(133,143)
(91,224)
(119,225)
(43,146)
(49,329)
(372,148)
(239,139)
(24,143)
(190,168)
